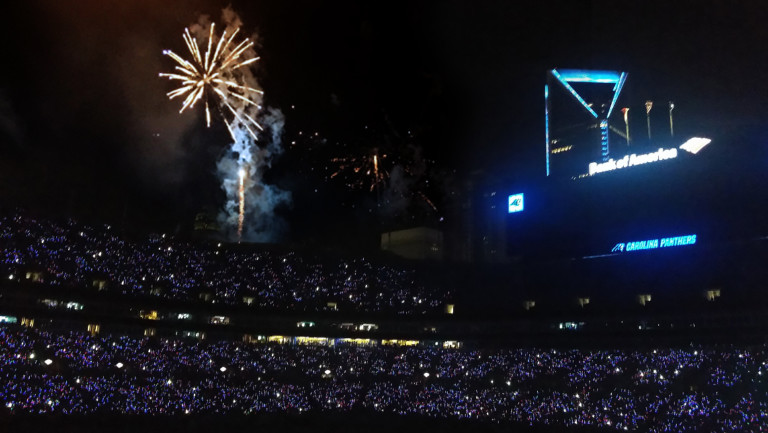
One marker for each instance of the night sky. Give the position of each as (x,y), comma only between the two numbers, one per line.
(86,128)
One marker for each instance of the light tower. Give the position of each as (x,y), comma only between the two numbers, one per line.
(625,111)
(671,124)
(648,106)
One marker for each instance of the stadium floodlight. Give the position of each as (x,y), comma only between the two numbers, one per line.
(625,111)
(695,144)
(671,124)
(648,106)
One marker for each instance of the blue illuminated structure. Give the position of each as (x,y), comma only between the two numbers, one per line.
(573,91)
(604,139)
(567,76)
(516,203)
(546,121)
(616,90)
(589,76)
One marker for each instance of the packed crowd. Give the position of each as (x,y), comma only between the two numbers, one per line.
(663,390)
(74,255)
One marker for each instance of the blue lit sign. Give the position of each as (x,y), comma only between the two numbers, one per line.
(652,244)
(515,203)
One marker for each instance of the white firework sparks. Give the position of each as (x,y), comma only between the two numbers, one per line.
(214,74)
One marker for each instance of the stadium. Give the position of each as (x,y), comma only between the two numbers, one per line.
(628,296)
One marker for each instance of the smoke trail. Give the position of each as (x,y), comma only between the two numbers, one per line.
(249,211)
(260,223)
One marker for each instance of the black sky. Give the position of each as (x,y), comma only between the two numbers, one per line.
(85,125)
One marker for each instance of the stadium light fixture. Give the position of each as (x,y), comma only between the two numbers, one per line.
(671,124)
(625,111)
(648,107)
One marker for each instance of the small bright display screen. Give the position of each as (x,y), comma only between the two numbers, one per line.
(515,203)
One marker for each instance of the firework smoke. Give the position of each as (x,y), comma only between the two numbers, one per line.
(251,202)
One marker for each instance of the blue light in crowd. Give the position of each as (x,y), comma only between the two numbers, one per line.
(516,203)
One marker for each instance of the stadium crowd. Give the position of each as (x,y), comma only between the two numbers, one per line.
(74,255)
(662,390)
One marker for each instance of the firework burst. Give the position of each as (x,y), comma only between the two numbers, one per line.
(361,172)
(373,171)
(218,74)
